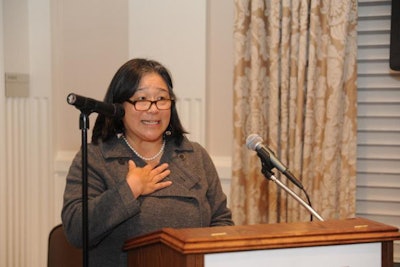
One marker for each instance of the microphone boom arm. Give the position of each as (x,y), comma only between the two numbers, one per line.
(266,170)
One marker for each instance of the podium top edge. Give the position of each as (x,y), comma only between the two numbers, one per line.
(261,236)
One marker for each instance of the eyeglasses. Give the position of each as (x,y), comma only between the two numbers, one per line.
(144,105)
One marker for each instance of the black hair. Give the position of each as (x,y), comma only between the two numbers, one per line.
(122,86)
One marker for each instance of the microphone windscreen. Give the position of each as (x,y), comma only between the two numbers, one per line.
(252,141)
(71,99)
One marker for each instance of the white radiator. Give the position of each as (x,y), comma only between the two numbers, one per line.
(192,114)
(27,214)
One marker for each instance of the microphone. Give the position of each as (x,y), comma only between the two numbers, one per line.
(88,104)
(254,142)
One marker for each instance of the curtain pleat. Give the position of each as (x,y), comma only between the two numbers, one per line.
(295,86)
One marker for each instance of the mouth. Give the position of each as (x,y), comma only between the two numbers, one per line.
(151,122)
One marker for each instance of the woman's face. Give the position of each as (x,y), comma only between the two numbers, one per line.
(150,125)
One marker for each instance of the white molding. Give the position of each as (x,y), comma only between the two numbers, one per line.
(223,164)
(63,160)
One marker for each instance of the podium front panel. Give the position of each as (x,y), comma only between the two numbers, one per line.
(354,255)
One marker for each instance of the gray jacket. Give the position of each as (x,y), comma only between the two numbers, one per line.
(195,199)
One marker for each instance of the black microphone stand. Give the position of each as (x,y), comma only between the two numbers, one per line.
(84,126)
(87,106)
(267,171)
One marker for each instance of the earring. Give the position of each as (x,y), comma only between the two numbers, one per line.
(168,133)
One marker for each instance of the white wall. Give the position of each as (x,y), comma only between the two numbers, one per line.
(75,46)
(16,32)
(89,45)
(3,197)
(176,36)
(89,41)
(219,82)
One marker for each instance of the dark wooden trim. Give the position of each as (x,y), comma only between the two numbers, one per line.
(186,247)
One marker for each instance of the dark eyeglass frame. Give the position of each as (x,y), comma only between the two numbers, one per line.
(133,103)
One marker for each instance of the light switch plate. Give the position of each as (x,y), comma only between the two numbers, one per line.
(17,85)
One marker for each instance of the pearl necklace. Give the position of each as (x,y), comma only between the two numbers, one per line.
(142,157)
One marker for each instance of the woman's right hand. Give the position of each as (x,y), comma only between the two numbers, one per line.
(146,180)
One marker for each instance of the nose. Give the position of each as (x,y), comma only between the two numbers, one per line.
(153,107)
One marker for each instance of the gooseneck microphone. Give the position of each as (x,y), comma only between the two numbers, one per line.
(91,105)
(255,142)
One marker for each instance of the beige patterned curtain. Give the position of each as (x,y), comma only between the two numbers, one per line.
(295,86)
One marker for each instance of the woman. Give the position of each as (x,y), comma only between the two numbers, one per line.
(143,173)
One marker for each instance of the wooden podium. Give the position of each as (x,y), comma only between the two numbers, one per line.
(349,242)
